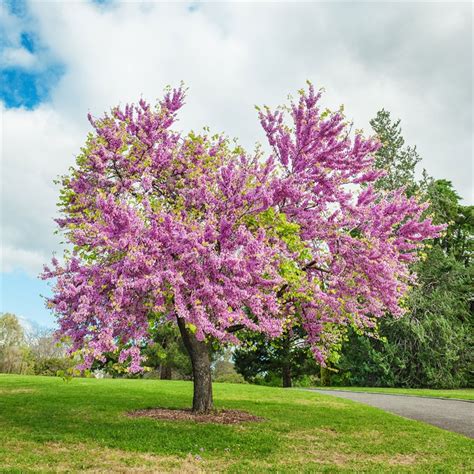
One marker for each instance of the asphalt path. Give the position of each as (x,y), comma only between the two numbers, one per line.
(449,414)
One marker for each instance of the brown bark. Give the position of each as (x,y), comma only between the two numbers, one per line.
(165,372)
(286,365)
(325,377)
(199,353)
(286,375)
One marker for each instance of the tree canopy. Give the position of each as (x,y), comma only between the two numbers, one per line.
(192,229)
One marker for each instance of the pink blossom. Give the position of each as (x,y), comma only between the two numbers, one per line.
(167,225)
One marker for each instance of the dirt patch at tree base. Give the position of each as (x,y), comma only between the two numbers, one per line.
(223,417)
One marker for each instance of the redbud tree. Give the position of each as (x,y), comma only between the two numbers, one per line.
(193,229)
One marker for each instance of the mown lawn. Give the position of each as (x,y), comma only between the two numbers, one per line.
(50,425)
(462,394)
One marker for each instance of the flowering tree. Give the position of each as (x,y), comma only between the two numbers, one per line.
(188,228)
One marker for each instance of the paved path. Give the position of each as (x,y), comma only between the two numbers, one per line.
(452,415)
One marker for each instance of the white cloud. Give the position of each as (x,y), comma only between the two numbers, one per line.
(37,146)
(414,60)
(17,57)
(13,53)
(16,258)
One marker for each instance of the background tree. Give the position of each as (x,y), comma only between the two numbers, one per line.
(445,206)
(287,358)
(30,351)
(43,344)
(11,331)
(14,354)
(167,227)
(167,353)
(224,368)
(432,345)
(49,357)
(397,160)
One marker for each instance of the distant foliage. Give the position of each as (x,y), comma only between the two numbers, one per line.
(35,352)
(14,354)
(53,366)
(224,369)
(279,362)
(446,208)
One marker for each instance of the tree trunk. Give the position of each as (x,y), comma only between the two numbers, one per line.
(325,377)
(199,353)
(286,366)
(165,372)
(286,375)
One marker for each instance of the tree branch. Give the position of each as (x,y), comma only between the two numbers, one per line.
(235,328)
(310,265)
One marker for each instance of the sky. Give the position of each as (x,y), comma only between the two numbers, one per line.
(60,60)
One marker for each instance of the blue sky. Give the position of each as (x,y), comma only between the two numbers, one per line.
(20,292)
(61,60)
(22,87)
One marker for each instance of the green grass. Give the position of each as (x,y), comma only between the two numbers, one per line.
(49,425)
(462,394)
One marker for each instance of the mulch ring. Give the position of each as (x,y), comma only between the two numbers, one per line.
(224,417)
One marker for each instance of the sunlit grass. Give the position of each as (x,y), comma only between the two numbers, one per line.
(49,425)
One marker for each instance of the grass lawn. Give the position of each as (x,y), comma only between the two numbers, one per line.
(50,425)
(462,394)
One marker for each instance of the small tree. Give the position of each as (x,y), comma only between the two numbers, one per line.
(15,358)
(190,229)
(287,357)
(11,332)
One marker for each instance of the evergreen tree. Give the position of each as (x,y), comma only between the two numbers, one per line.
(283,360)
(396,159)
